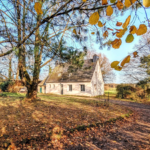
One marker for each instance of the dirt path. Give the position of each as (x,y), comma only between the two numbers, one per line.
(133,134)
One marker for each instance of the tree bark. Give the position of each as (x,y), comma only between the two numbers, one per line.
(10,70)
(31,92)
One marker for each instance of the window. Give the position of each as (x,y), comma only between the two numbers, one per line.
(82,87)
(49,86)
(54,86)
(70,87)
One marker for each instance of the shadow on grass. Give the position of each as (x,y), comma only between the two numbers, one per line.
(32,123)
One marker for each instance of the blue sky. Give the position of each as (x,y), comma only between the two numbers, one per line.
(126,48)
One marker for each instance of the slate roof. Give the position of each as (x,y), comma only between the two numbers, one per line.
(81,75)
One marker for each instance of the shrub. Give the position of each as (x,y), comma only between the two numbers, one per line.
(123,91)
(4,86)
(130,92)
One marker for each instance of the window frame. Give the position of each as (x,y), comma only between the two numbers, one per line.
(69,87)
(82,87)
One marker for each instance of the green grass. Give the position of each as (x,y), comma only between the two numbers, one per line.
(13,94)
(111,91)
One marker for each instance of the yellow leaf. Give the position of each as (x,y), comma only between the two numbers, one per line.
(126,22)
(92,32)
(133,1)
(118,23)
(126,60)
(119,5)
(94,18)
(129,38)
(133,30)
(146,3)
(116,43)
(112,1)
(109,11)
(118,68)
(104,2)
(100,24)
(105,34)
(121,33)
(74,31)
(114,64)
(127,3)
(142,29)
(38,8)
(84,1)
(135,54)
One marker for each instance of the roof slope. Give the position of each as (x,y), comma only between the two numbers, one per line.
(43,81)
(81,75)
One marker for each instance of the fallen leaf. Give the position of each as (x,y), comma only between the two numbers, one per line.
(92,32)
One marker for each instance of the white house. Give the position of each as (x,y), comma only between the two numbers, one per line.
(86,81)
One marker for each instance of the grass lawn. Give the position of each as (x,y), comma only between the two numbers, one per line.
(111,91)
(30,123)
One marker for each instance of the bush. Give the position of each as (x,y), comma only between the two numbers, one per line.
(129,92)
(3,95)
(123,91)
(4,86)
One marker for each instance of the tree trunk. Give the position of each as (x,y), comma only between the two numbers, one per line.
(31,92)
(10,69)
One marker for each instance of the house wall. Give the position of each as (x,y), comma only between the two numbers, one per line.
(76,88)
(97,83)
(43,89)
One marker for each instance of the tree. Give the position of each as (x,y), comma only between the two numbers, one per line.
(107,71)
(133,72)
(8,66)
(35,30)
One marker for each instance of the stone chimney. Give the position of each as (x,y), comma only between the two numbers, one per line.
(95,58)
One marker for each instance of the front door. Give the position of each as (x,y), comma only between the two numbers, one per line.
(40,89)
(61,89)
